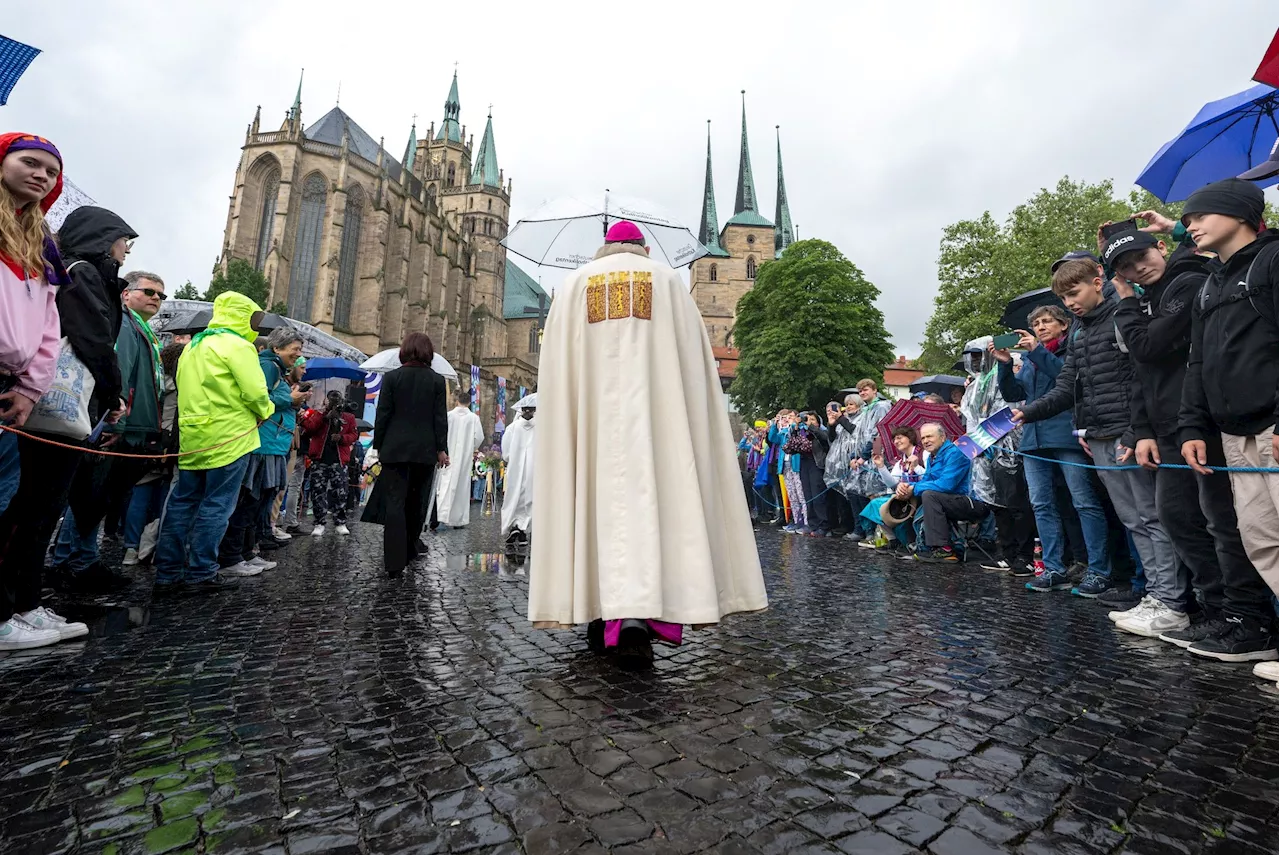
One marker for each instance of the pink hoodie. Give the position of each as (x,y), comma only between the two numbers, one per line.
(30,333)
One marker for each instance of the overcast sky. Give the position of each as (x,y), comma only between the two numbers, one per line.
(897,119)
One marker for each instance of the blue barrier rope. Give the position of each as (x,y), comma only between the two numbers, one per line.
(1094,466)
(779,507)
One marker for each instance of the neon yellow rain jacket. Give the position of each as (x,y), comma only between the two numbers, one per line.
(222,394)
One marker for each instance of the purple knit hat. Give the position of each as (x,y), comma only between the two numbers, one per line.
(31,141)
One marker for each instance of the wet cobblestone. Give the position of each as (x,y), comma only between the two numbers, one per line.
(877,707)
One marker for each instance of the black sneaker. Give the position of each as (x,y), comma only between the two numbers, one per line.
(1247,641)
(595,636)
(294,529)
(1022,569)
(96,579)
(270,544)
(635,649)
(1202,631)
(1120,599)
(213,585)
(938,556)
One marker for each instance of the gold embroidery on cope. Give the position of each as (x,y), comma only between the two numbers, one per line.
(642,295)
(595,299)
(619,294)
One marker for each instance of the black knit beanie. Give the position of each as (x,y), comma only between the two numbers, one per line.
(1232,197)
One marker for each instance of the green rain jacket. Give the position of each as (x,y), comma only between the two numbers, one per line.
(222,394)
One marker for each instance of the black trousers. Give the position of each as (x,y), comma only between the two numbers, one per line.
(1199,515)
(27,524)
(408,486)
(1016,523)
(840,512)
(814,486)
(1074,548)
(242,529)
(941,508)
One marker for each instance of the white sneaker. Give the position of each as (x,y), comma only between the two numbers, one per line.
(18,634)
(43,618)
(1267,671)
(280,534)
(244,568)
(1157,619)
(317,531)
(259,561)
(1145,605)
(130,557)
(342,529)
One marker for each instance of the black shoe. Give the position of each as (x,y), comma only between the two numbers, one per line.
(595,636)
(96,579)
(270,544)
(635,650)
(394,573)
(294,529)
(1022,569)
(1202,631)
(938,556)
(1120,599)
(1076,572)
(210,586)
(166,589)
(1248,640)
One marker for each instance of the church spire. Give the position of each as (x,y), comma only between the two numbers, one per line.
(486,164)
(411,149)
(709,231)
(450,130)
(296,110)
(783,234)
(746,198)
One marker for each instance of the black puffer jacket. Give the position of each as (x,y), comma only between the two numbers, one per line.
(89,306)
(1156,330)
(1096,378)
(1232,372)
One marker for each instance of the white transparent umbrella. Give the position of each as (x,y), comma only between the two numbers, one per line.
(529,401)
(567,232)
(389,360)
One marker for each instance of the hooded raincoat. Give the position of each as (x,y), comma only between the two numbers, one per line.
(992,472)
(222,394)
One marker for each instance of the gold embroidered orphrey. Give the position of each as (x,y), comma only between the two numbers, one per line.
(620,294)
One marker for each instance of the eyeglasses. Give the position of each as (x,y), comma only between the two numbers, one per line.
(152,292)
(128,246)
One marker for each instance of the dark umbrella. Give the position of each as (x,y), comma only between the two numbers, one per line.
(913,414)
(1227,137)
(199,320)
(1017,313)
(325,367)
(362,424)
(937,384)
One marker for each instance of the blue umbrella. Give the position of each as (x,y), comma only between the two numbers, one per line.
(325,367)
(1227,137)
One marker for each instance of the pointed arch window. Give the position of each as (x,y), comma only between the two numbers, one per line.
(267,216)
(306,248)
(714,273)
(751,267)
(352,219)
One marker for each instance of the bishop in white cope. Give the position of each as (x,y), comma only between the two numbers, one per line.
(453,485)
(517,498)
(641,516)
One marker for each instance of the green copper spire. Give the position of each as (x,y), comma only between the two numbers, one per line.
(296,110)
(485,170)
(450,129)
(411,149)
(709,231)
(783,234)
(746,198)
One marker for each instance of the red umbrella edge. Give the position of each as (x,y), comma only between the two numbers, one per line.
(1269,69)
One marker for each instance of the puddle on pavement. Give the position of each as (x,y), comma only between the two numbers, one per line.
(503,565)
(106,620)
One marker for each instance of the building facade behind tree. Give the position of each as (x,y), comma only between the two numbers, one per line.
(369,247)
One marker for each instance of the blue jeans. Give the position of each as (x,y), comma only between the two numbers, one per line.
(1093,519)
(10,468)
(145,505)
(194,520)
(72,550)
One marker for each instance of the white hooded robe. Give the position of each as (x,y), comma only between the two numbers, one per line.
(640,508)
(517,497)
(453,484)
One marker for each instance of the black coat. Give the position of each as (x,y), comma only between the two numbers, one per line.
(1096,378)
(89,305)
(412,424)
(1156,329)
(1232,372)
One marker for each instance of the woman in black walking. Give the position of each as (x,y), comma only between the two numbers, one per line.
(410,433)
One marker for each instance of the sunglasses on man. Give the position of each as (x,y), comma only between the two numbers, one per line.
(152,292)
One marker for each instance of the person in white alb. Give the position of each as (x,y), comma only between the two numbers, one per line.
(517,451)
(453,485)
(642,524)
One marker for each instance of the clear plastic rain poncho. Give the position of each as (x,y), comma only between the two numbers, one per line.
(836,474)
(992,477)
(865,480)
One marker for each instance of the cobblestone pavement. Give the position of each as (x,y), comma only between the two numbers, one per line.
(877,707)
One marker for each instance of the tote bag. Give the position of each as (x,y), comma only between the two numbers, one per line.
(64,409)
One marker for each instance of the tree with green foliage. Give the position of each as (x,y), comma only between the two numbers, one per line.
(982,265)
(279,307)
(187,292)
(240,276)
(809,327)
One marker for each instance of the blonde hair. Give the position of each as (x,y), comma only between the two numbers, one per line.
(22,235)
